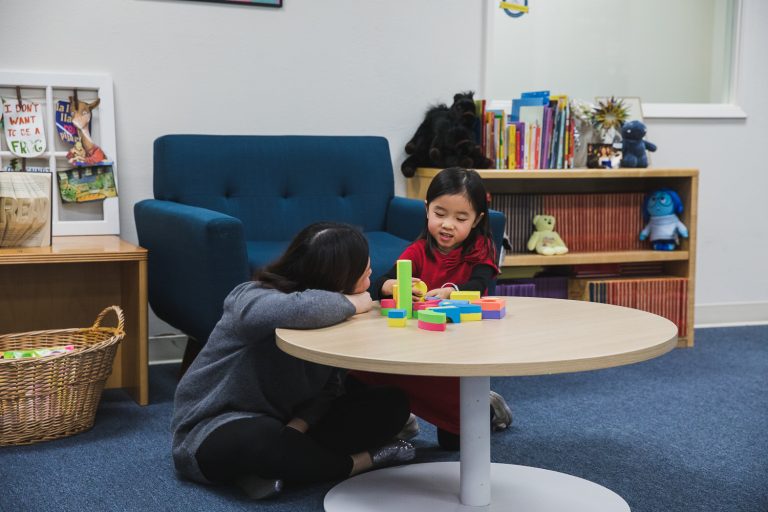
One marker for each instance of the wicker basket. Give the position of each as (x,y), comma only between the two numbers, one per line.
(55,396)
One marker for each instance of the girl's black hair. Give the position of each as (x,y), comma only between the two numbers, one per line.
(323,256)
(468,183)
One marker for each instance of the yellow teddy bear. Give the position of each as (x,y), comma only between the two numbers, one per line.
(544,240)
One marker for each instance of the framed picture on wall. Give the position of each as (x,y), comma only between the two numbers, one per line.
(261,3)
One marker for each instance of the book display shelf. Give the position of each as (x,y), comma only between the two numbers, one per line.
(599,216)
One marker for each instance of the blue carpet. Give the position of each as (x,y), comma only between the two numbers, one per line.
(684,432)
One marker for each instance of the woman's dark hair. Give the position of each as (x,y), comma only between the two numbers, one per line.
(468,183)
(323,256)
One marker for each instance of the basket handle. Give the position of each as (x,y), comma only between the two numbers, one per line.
(120,318)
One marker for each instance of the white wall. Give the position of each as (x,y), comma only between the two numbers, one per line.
(356,67)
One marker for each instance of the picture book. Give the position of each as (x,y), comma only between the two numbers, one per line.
(85,184)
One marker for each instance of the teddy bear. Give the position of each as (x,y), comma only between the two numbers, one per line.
(446,138)
(660,209)
(544,240)
(633,145)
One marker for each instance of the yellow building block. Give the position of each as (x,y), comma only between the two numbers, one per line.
(471,317)
(466,295)
(396,322)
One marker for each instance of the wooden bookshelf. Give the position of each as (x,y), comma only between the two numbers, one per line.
(679,263)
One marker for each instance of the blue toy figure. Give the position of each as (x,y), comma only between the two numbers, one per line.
(660,210)
(633,146)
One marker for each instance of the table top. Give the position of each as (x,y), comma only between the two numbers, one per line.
(537,336)
(75,249)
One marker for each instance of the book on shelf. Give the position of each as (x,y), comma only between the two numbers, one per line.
(665,296)
(25,209)
(586,222)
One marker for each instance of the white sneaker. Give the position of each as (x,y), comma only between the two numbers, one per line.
(410,429)
(501,417)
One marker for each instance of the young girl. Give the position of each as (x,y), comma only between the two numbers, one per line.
(455,252)
(248,413)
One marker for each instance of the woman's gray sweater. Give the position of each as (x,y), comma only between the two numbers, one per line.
(241,373)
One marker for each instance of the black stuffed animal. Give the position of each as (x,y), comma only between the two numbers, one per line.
(446,138)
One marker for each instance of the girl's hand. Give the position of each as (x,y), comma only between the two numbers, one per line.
(440,293)
(386,288)
(361,301)
(298,424)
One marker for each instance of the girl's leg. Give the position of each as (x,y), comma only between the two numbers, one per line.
(435,399)
(265,447)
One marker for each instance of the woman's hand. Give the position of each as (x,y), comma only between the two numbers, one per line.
(440,293)
(361,301)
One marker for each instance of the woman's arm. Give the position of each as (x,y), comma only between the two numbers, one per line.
(256,308)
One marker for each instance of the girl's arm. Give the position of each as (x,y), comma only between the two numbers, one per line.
(479,279)
(377,288)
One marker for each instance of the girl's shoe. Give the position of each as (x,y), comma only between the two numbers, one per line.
(410,429)
(501,414)
(258,488)
(393,454)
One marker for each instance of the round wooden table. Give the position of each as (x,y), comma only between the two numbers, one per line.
(537,336)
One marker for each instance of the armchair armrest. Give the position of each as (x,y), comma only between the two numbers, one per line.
(406,217)
(196,257)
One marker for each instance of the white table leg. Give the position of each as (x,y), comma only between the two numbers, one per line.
(475,487)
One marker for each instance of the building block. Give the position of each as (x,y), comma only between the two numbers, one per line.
(386,305)
(419,306)
(396,322)
(428,326)
(396,313)
(404,283)
(433,302)
(449,302)
(452,313)
(469,308)
(465,295)
(490,304)
(431,316)
(395,296)
(494,315)
(421,286)
(471,317)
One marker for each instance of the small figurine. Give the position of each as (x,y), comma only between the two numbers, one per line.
(633,146)
(545,240)
(660,209)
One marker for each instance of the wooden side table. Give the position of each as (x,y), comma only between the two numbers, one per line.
(69,283)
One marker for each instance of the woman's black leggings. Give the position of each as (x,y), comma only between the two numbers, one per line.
(264,446)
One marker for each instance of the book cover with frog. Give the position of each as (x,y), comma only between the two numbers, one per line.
(83,184)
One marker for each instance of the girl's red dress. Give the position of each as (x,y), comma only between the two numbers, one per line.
(435,399)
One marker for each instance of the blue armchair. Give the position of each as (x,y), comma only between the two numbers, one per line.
(226,205)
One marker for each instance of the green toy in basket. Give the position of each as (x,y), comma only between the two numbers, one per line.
(37,352)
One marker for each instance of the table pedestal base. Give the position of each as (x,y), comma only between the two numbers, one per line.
(434,486)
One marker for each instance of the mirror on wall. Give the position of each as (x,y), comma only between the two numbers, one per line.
(679,53)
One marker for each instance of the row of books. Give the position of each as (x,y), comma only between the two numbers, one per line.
(585,222)
(663,296)
(537,133)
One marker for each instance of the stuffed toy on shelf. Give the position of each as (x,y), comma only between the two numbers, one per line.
(633,146)
(545,240)
(446,138)
(660,210)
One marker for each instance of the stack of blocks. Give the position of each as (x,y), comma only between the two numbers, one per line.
(434,314)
